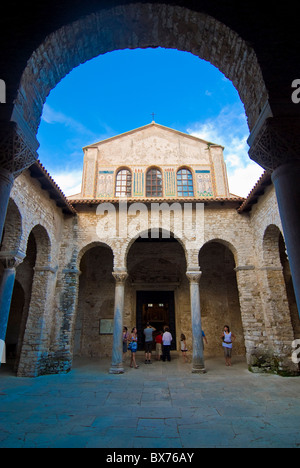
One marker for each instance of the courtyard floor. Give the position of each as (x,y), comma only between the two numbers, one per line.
(162,405)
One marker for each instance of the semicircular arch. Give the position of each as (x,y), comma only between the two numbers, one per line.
(140,25)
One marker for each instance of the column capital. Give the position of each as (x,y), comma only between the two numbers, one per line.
(194,276)
(276,143)
(120,276)
(12,259)
(17,148)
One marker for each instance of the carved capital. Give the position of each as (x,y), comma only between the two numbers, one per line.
(17,150)
(276,143)
(194,276)
(120,276)
(11,259)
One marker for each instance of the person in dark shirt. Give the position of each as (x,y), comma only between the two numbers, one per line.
(148,332)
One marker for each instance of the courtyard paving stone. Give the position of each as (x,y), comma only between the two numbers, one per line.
(159,406)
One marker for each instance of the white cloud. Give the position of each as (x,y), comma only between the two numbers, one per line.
(68,181)
(230,130)
(51,116)
(242,180)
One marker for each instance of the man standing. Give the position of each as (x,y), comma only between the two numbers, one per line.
(148,332)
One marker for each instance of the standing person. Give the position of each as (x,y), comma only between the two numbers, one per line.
(183,347)
(204,339)
(167,340)
(148,332)
(228,338)
(125,342)
(133,347)
(158,341)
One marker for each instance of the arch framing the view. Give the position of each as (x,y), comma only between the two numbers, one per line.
(139,26)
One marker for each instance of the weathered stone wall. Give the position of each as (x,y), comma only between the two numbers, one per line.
(39,217)
(278,303)
(154,146)
(242,282)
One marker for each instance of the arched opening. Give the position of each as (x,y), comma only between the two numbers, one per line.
(15,331)
(289,287)
(21,301)
(12,232)
(157,290)
(281,298)
(37,320)
(141,26)
(93,336)
(219,298)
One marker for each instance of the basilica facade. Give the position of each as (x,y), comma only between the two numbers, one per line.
(154,235)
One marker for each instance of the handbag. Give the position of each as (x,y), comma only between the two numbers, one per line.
(132,346)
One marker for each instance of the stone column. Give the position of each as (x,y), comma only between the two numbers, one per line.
(286,179)
(117,353)
(6,183)
(10,260)
(198,357)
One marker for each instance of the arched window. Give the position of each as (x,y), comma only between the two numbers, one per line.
(123,183)
(185,187)
(154,183)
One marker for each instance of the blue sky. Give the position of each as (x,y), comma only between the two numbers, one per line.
(118,91)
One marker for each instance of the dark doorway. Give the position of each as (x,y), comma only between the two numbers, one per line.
(158,308)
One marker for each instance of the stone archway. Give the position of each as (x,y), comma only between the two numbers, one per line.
(95,309)
(282,323)
(219,295)
(39,323)
(139,25)
(157,276)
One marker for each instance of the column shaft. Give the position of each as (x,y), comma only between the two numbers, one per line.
(198,365)
(6,290)
(117,352)
(286,181)
(6,183)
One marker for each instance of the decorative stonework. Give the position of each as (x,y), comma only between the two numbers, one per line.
(11,259)
(194,276)
(204,183)
(105,187)
(277,143)
(15,152)
(138,182)
(170,182)
(120,277)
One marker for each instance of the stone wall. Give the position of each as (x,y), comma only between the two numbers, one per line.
(242,282)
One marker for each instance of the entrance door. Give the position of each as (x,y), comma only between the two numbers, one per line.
(158,308)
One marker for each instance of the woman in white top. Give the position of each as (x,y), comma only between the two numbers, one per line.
(228,338)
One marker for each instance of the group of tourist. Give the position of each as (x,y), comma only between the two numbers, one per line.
(163,342)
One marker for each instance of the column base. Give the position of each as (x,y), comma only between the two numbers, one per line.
(116,370)
(196,370)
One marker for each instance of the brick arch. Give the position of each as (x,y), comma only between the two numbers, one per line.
(129,244)
(227,244)
(133,26)
(88,247)
(271,246)
(13,228)
(43,246)
(220,295)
